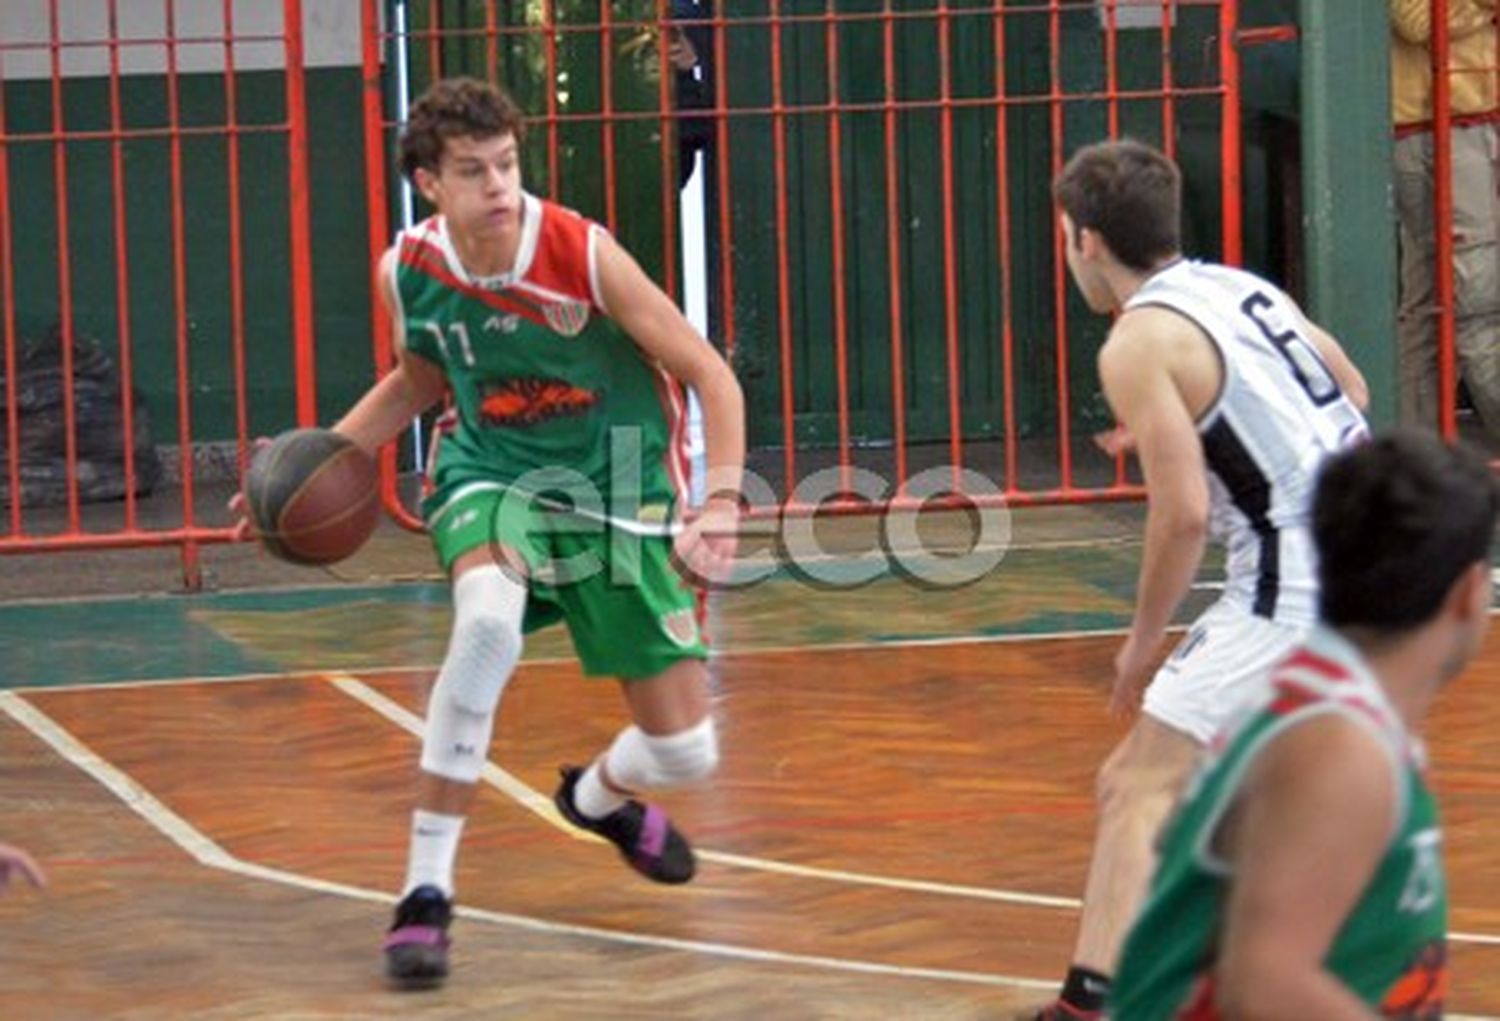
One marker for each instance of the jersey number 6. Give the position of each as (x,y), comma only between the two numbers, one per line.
(1307,368)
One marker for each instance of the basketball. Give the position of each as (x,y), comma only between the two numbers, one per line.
(312,496)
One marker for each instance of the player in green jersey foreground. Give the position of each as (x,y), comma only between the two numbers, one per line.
(1302,876)
(558,489)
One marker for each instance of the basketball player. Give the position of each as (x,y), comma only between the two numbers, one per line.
(1231,399)
(15,861)
(1302,876)
(565,362)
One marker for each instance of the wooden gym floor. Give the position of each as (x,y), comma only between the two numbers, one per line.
(219,786)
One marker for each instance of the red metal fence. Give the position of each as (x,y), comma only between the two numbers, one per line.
(173,518)
(859,322)
(1448,310)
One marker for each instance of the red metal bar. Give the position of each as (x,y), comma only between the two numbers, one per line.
(893,230)
(1059,261)
(950,258)
(64,273)
(607,105)
(1168,108)
(840,297)
(188,538)
(668,162)
(1007,297)
(491,44)
(1259,35)
(1033,498)
(136,134)
(1230,182)
(549,28)
(190,574)
(1442,218)
(1111,64)
(304,351)
(236,242)
(122,268)
(721,164)
(8,289)
(750,21)
(783,273)
(141,41)
(805,110)
(377,216)
(435,39)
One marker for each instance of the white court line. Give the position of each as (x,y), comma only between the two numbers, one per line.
(530,799)
(207,852)
(533,801)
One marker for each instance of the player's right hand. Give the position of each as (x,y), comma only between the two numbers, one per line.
(14,861)
(239,510)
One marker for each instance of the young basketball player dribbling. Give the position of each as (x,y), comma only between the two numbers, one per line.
(559,486)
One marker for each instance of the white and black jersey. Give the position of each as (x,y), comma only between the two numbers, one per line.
(1279,413)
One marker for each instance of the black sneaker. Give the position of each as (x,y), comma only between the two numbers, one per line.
(650,843)
(416,948)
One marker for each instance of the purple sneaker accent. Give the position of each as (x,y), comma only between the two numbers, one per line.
(643,834)
(653,838)
(423,935)
(416,945)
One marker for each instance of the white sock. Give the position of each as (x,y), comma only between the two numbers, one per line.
(434,846)
(591,797)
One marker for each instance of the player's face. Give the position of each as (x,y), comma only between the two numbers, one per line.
(478,184)
(1084,267)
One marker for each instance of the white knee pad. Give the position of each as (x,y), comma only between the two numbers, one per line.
(641,760)
(482,653)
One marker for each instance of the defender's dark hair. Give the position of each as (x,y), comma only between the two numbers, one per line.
(453,108)
(1396,521)
(1130,194)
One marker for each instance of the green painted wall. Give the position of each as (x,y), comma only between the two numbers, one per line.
(976,264)
(340,256)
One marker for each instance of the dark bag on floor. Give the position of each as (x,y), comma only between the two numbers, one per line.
(99,423)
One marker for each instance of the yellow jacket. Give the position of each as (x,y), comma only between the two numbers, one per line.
(1473,50)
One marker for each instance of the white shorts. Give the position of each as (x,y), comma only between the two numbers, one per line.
(1223,661)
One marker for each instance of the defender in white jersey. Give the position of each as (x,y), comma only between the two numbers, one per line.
(1232,399)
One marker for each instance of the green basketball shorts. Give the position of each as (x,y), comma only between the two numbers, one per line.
(629,612)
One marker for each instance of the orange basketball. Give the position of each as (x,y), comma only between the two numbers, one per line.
(313,496)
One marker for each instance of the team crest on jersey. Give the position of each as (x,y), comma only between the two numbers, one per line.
(567,317)
(681,626)
(533,399)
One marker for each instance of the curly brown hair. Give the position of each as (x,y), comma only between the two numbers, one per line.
(455,108)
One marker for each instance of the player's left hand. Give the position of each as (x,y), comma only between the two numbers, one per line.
(1133,670)
(705,547)
(1116,441)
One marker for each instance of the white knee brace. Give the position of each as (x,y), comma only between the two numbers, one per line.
(640,760)
(486,643)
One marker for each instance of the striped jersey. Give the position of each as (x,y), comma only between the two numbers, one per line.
(1390,950)
(550,396)
(1279,413)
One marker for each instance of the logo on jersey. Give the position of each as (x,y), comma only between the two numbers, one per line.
(681,626)
(534,399)
(1421,989)
(566,317)
(505,324)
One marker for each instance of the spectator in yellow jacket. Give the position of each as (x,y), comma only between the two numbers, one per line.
(1474,74)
